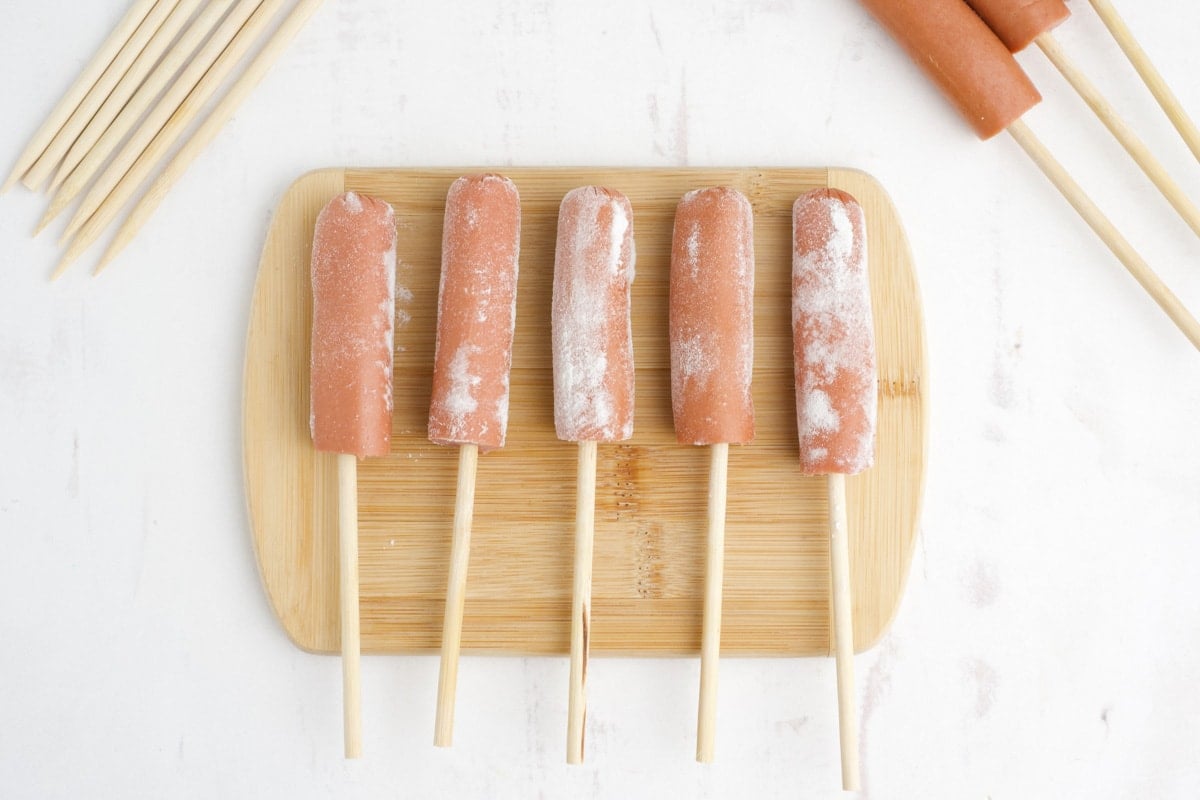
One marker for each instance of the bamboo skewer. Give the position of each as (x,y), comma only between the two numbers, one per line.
(581,599)
(84,169)
(1136,148)
(126,88)
(1103,228)
(161,112)
(211,126)
(348,594)
(109,205)
(714,577)
(456,594)
(66,135)
(78,90)
(1150,76)
(843,630)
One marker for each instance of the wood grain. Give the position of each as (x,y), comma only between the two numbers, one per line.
(650,496)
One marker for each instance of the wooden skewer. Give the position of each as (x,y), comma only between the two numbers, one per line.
(192,72)
(456,594)
(581,600)
(1150,76)
(843,630)
(211,126)
(78,90)
(714,577)
(66,135)
(348,597)
(108,205)
(1117,243)
(1121,131)
(125,89)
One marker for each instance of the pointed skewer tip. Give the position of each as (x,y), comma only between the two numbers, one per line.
(63,263)
(50,214)
(105,260)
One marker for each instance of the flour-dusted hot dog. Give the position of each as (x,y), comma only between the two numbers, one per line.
(712,360)
(593,382)
(353,279)
(354,308)
(834,341)
(477,314)
(960,54)
(712,317)
(477,296)
(1019,22)
(590,324)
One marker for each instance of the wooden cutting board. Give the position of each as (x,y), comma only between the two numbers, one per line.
(651,492)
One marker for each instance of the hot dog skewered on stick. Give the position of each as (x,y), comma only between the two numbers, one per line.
(1018,24)
(477,309)
(975,71)
(593,382)
(836,396)
(712,360)
(354,291)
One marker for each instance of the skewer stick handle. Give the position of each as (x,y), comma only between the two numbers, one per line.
(714,577)
(581,600)
(347,466)
(843,630)
(1121,131)
(1150,76)
(1095,219)
(79,89)
(456,594)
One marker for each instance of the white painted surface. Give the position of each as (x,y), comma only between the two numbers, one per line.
(1047,645)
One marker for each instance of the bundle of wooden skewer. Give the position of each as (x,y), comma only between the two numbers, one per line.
(144,91)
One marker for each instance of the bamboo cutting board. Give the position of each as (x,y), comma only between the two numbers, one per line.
(649,539)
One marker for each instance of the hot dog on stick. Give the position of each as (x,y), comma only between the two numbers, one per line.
(980,77)
(477,307)
(1021,22)
(354,291)
(836,397)
(711,320)
(592,342)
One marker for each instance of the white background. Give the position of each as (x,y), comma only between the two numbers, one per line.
(1048,644)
